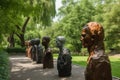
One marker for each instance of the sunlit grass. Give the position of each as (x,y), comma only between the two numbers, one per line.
(81,60)
(115,63)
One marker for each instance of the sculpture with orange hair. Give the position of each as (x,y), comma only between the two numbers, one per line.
(98,63)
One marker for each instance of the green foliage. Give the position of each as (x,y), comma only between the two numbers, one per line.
(112,23)
(13,13)
(15,50)
(32,35)
(75,14)
(4,66)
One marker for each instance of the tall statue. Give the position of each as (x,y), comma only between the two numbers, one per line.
(39,51)
(64,58)
(36,50)
(27,45)
(33,49)
(48,56)
(98,63)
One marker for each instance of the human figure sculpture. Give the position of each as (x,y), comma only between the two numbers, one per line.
(27,45)
(48,56)
(33,50)
(39,51)
(98,64)
(64,58)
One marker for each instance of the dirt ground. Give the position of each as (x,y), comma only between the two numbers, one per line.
(22,68)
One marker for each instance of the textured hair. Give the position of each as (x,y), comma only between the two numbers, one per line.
(46,38)
(61,39)
(96,30)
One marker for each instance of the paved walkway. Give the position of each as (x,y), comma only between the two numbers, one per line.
(24,69)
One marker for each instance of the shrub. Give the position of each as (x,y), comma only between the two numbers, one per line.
(55,50)
(15,50)
(4,66)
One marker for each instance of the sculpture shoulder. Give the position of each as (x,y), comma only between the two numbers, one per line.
(66,51)
(40,46)
(49,50)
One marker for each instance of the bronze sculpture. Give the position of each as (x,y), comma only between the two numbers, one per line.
(28,47)
(39,51)
(33,50)
(64,58)
(98,64)
(48,56)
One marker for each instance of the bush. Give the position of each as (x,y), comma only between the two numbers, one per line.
(55,50)
(4,66)
(15,50)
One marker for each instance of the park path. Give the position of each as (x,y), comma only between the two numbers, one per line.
(24,69)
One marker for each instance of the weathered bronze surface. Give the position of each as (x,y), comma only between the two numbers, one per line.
(34,50)
(98,63)
(64,59)
(48,56)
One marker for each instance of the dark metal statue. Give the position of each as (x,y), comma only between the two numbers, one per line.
(33,50)
(39,51)
(48,56)
(98,64)
(36,50)
(64,59)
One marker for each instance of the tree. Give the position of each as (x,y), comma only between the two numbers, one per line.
(75,14)
(42,11)
(112,23)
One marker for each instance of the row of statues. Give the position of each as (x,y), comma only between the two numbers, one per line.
(35,51)
(92,37)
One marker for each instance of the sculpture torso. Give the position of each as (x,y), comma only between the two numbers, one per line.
(64,58)
(48,56)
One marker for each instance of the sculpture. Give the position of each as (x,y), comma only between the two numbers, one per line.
(33,49)
(48,56)
(64,58)
(27,44)
(39,51)
(36,50)
(98,64)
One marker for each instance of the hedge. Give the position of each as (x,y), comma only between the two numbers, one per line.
(15,50)
(4,66)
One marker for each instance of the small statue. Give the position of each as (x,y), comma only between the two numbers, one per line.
(98,64)
(48,56)
(64,59)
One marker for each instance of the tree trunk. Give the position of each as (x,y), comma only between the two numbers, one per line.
(11,40)
(22,40)
(21,35)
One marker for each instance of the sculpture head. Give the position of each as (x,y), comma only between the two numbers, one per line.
(37,41)
(45,40)
(32,42)
(60,40)
(27,43)
(92,33)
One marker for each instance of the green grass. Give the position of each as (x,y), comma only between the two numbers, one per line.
(81,60)
(115,63)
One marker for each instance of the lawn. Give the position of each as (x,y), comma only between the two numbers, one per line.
(115,63)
